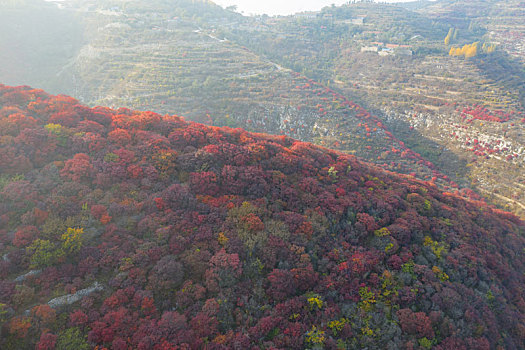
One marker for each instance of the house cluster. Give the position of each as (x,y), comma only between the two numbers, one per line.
(307,15)
(358,20)
(383,49)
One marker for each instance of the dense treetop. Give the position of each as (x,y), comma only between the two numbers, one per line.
(122,229)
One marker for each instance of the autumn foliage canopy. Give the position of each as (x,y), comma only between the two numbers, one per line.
(166,234)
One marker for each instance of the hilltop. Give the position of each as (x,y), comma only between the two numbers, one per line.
(126,229)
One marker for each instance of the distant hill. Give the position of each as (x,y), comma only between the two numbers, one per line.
(37,41)
(124,229)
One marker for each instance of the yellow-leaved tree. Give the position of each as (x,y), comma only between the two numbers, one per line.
(471,50)
(72,240)
(468,50)
(449,36)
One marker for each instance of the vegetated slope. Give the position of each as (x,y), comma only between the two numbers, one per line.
(503,20)
(131,229)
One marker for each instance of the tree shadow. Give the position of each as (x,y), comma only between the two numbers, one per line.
(447,162)
(505,70)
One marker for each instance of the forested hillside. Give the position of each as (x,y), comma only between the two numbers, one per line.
(393,84)
(122,229)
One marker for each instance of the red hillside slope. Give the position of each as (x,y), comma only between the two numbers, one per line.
(131,230)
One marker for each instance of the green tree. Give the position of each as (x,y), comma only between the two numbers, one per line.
(44,253)
(72,338)
(3,314)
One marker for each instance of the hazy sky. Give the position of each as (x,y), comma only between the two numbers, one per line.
(281,7)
